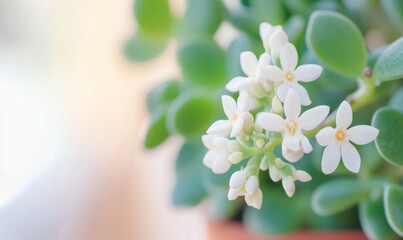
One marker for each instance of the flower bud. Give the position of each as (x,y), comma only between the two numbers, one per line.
(289,185)
(274,173)
(279,163)
(302,176)
(235,157)
(237,179)
(260,142)
(276,105)
(251,185)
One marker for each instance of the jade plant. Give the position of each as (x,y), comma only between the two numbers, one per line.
(308,93)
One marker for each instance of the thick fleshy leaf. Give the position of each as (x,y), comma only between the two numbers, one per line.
(190,114)
(295,28)
(202,62)
(202,17)
(238,45)
(389,64)
(189,189)
(142,47)
(338,195)
(389,121)
(394,10)
(396,101)
(162,94)
(268,11)
(153,17)
(157,132)
(279,213)
(393,203)
(344,50)
(373,220)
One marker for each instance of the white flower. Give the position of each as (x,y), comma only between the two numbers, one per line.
(294,142)
(244,184)
(273,37)
(254,77)
(289,176)
(222,153)
(239,118)
(290,75)
(337,141)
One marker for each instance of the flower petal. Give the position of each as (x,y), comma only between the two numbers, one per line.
(270,121)
(292,105)
(311,118)
(233,194)
(251,185)
(237,127)
(247,120)
(220,127)
(306,145)
(292,156)
(308,72)
(291,143)
(255,200)
(221,143)
(289,185)
(362,134)
(273,73)
(264,60)
(237,179)
(325,136)
(229,106)
(208,141)
(239,83)
(243,102)
(288,57)
(302,176)
(248,63)
(344,116)
(278,38)
(221,164)
(351,157)
(302,94)
(330,158)
(208,159)
(282,91)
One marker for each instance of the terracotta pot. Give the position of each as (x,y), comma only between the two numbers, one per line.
(236,231)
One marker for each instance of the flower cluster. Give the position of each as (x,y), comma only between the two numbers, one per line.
(267,114)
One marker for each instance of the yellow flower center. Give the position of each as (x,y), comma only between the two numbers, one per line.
(234,117)
(292,128)
(289,76)
(340,135)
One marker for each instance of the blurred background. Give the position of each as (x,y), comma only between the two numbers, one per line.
(71,116)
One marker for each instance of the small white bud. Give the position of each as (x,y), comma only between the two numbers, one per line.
(237,179)
(288,185)
(251,185)
(255,200)
(233,194)
(274,173)
(276,105)
(302,176)
(221,164)
(260,142)
(264,163)
(277,39)
(235,157)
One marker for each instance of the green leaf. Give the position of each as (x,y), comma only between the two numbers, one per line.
(244,21)
(279,214)
(202,62)
(268,11)
(339,221)
(337,195)
(295,29)
(153,16)
(394,10)
(188,189)
(373,220)
(143,47)
(389,65)
(162,94)
(191,113)
(389,121)
(393,202)
(157,132)
(202,17)
(237,46)
(396,101)
(343,48)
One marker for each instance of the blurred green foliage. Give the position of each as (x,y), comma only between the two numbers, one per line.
(333,33)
